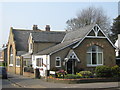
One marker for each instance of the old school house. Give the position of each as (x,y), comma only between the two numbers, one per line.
(84,49)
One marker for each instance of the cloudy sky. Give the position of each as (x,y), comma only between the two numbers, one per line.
(23,15)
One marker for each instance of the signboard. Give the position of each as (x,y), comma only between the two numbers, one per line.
(52,72)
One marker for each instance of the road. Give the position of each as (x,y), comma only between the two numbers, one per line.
(18,81)
(8,84)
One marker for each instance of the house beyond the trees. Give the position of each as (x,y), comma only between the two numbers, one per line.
(81,49)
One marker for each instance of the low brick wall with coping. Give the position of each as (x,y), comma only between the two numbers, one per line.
(28,74)
(81,80)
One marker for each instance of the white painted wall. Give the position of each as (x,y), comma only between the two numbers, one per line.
(117,44)
(119,41)
(46,61)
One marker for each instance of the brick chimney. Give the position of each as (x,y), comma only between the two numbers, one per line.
(47,28)
(35,27)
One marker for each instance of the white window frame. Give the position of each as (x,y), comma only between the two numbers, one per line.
(41,62)
(56,59)
(97,52)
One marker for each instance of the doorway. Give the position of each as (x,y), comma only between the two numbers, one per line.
(70,66)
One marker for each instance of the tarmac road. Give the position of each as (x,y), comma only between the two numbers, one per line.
(26,82)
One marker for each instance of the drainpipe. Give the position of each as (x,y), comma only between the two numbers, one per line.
(46,72)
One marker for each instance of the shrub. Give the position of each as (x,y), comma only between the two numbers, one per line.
(115,71)
(79,74)
(61,73)
(103,71)
(72,76)
(86,74)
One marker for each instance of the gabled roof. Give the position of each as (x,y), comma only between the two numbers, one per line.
(57,47)
(80,33)
(73,37)
(96,30)
(48,36)
(72,55)
(21,39)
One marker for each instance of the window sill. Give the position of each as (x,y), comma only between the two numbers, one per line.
(94,65)
(57,66)
(38,67)
(11,65)
(17,66)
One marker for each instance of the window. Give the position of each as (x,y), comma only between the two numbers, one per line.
(24,63)
(94,56)
(11,56)
(30,47)
(39,62)
(18,62)
(58,62)
(27,62)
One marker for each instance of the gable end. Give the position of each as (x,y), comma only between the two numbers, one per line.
(98,33)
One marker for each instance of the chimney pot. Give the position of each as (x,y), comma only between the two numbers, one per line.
(47,28)
(35,27)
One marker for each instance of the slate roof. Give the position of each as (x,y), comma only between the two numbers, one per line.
(48,36)
(70,38)
(57,47)
(21,38)
(21,53)
(80,33)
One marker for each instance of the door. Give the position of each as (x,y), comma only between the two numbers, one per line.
(69,67)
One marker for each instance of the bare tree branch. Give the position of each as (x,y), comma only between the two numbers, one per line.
(89,16)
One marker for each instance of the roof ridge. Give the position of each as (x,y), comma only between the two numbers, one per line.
(81,28)
(78,33)
(22,29)
(50,31)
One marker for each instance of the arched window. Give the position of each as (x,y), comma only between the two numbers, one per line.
(94,56)
(11,56)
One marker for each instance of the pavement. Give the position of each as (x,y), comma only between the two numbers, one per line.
(27,82)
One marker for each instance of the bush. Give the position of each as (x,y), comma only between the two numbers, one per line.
(86,74)
(72,76)
(79,74)
(61,73)
(103,71)
(115,71)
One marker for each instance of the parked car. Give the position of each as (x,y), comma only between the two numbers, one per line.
(3,73)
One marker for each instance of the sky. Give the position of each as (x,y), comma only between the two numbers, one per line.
(22,15)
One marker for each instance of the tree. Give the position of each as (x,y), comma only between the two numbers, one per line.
(115,29)
(89,16)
